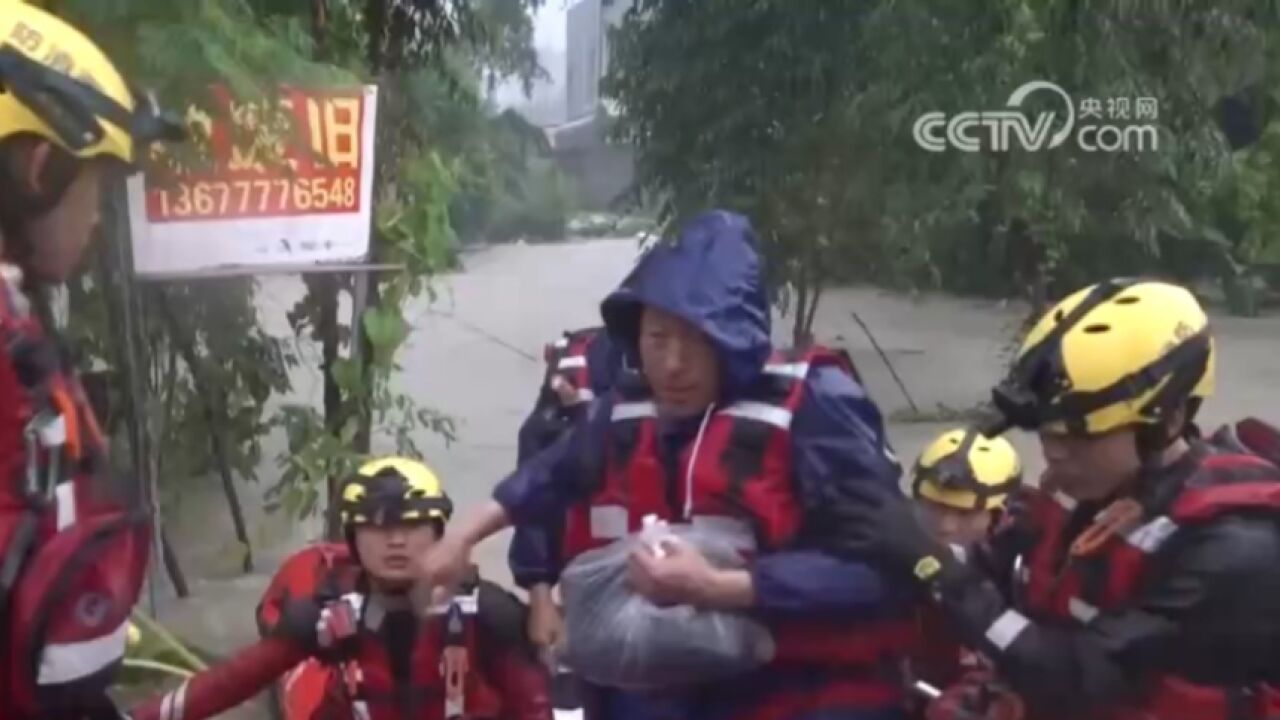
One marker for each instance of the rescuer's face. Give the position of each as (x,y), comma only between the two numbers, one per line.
(1090,467)
(55,243)
(387,553)
(954,526)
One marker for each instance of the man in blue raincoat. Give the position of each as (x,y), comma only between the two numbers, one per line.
(716,427)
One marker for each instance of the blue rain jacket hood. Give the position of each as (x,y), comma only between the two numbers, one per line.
(711,276)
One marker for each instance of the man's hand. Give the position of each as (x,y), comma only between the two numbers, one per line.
(327,631)
(869,521)
(683,575)
(546,625)
(978,696)
(565,391)
(447,563)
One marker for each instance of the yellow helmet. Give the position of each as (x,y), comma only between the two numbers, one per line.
(1119,353)
(59,86)
(391,491)
(964,470)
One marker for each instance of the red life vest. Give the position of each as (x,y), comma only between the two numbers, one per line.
(938,657)
(72,558)
(567,358)
(1107,579)
(445,648)
(445,679)
(736,480)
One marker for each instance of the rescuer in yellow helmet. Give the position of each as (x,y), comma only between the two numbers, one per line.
(961,481)
(72,558)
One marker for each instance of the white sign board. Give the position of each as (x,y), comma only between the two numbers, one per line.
(277,204)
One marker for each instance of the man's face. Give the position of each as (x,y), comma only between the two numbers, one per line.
(954,526)
(679,363)
(388,552)
(58,238)
(1090,467)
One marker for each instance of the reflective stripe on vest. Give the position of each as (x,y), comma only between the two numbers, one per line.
(1223,484)
(567,358)
(174,705)
(62,663)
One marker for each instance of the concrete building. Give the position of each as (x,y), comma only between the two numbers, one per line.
(602,171)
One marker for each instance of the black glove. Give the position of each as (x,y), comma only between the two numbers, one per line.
(868,521)
(326,630)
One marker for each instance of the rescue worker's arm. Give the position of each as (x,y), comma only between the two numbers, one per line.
(542,489)
(508,661)
(534,555)
(837,436)
(1211,612)
(534,559)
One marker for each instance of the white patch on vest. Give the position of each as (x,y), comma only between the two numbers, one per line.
(1149,537)
(608,522)
(1006,629)
(65,662)
(573,361)
(634,410)
(584,395)
(1081,610)
(1021,573)
(736,533)
(166,707)
(53,433)
(65,498)
(797,370)
(764,412)
(468,604)
(178,710)
(1065,501)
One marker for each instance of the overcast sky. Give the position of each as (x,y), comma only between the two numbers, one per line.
(546,107)
(548,24)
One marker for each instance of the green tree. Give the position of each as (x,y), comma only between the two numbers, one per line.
(216,367)
(729,104)
(801,116)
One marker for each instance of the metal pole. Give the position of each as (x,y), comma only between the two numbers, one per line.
(131,309)
(359,297)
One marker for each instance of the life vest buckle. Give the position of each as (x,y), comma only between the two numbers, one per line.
(454,664)
(47,432)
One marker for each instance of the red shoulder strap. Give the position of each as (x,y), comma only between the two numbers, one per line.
(816,355)
(1245,482)
(1260,437)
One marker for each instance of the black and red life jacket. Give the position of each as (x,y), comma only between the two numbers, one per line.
(72,557)
(1086,583)
(444,680)
(736,480)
